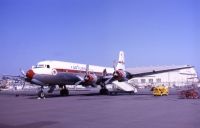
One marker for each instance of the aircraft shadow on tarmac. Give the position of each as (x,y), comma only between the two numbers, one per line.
(40,124)
(33,95)
(76,95)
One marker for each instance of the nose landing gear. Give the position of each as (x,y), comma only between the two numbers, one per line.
(41,94)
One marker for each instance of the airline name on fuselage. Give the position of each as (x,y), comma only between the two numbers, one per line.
(77,67)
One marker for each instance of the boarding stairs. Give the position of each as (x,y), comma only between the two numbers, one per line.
(123,86)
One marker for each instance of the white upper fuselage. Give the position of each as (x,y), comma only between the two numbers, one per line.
(51,67)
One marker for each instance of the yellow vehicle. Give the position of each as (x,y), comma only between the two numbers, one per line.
(160,90)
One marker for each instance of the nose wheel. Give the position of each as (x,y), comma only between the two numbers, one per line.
(41,94)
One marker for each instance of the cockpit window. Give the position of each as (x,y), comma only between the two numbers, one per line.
(39,66)
(42,66)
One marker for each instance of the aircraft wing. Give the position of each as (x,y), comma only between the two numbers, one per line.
(136,72)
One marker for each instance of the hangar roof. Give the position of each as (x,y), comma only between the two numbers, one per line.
(138,70)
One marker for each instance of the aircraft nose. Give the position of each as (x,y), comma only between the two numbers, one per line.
(30,74)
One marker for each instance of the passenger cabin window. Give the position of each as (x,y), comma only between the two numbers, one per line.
(158,80)
(135,81)
(143,81)
(151,81)
(48,66)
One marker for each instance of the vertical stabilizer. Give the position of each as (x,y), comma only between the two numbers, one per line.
(121,61)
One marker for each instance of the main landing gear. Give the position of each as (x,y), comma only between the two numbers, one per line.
(64,91)
(104,91)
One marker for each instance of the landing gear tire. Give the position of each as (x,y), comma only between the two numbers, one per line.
(115,93)
(112,93)
(104,92)
(64,92)
(131,93)
(41,95)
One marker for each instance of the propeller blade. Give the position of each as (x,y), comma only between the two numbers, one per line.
(23,72)
(87,69)
(109,81)
(104,72)
(24,83)
(79,82)
(114,65)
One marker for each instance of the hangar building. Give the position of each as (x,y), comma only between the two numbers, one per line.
(172,76)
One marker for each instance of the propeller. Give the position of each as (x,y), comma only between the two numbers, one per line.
(87,69)
(104,72)
(114,65)
(23,72)
(23,77)
(88,78)
(118,74)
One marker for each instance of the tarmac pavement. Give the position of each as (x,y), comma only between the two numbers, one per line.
(96,111)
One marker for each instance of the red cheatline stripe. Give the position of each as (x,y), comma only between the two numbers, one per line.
(76,71)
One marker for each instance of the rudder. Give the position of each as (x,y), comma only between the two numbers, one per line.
(121,61)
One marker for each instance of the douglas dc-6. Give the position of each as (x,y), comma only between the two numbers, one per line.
(52,73)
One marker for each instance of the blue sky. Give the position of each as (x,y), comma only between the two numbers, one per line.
(150,32)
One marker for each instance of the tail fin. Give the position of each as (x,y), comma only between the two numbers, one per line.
(121,61)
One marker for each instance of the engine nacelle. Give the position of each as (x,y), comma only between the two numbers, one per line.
(30,74)
(90,78)
(119,74)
